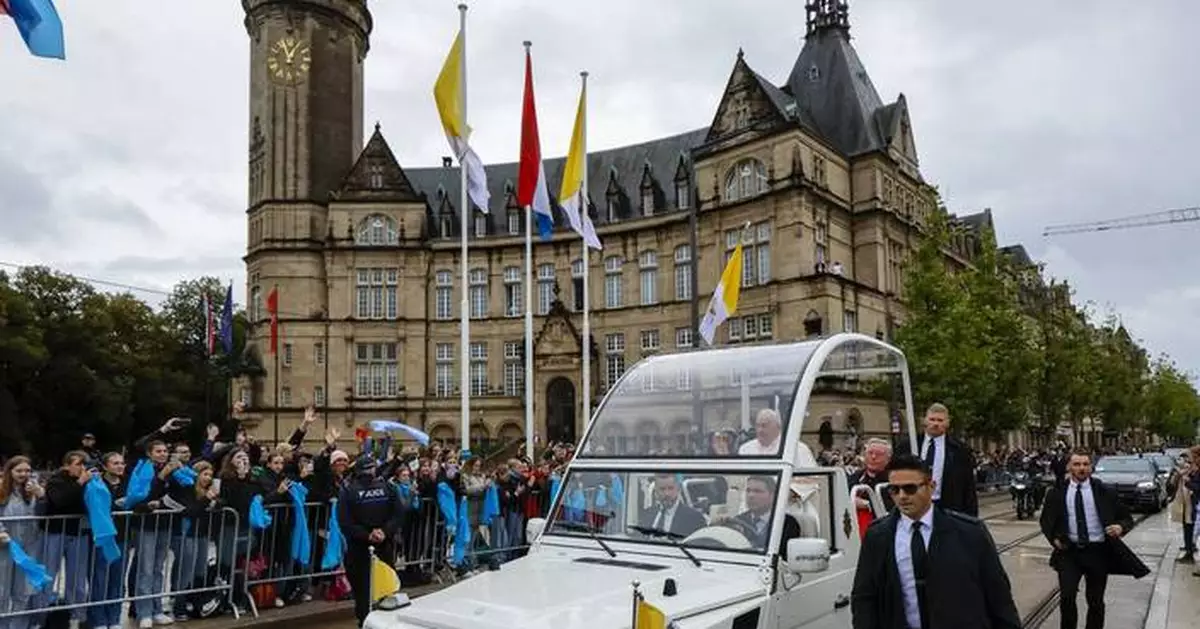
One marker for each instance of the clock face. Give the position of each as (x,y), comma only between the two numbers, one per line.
(288,60)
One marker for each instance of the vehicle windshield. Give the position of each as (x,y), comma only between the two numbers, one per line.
(1111,464)
(1163,462)
(697,510)
(701,404)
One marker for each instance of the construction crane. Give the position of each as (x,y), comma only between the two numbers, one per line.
(1185,215)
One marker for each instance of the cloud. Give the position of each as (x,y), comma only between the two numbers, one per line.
(130,159)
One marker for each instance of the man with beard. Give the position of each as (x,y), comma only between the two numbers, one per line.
(370,513)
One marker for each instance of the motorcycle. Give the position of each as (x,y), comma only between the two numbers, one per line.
(1022,491)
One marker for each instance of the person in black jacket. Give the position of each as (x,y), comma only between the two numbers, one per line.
(65,511)
(370,514)
(1084,521)
(950,460)
(926,567)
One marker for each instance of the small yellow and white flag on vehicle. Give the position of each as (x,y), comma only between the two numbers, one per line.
(384,580)
(724,300)
(649,616)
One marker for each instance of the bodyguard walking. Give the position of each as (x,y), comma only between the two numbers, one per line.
(926,567)
(1085,521)
(949,460)
(369,512)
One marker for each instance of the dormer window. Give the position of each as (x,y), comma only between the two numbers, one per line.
(611,209)
(481,225)
(447,224)
(514,222)
(648,201)
(683,198)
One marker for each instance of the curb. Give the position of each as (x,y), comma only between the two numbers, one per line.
(324,613)
(1160,598)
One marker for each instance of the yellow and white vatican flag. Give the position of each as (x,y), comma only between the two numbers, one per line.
(450,93)
(725,298)
(573,195)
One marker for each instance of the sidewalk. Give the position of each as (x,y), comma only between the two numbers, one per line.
(1183,611)
(306,614)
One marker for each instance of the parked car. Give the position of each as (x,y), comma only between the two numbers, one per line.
(1136,480)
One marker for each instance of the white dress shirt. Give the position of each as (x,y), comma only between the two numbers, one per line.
(665,517)
(939,461)
(904,564)
(1095,528)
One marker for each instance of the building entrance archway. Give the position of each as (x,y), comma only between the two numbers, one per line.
(560,410)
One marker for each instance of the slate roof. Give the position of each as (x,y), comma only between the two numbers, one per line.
(1017,254)
(624,165)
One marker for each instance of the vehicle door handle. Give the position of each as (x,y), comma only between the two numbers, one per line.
(841,601)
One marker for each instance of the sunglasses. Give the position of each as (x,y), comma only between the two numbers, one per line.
(908,488)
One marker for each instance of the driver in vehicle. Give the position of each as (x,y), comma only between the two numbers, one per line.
(669,512)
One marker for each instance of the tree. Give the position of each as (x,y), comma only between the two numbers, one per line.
(1122,368)
(1172,405)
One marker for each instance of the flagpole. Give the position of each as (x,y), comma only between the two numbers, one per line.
(464,212)
(529,318)
(587,271)
(275,351)
(231,362)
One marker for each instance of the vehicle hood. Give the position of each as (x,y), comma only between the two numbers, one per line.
(553,590)
(1124,478)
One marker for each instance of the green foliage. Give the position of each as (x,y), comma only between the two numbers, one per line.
(1002,346)
(75,360)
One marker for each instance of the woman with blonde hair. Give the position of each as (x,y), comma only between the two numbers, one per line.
(19,496)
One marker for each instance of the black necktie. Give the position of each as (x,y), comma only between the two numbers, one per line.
(1081,530)
(920,563)
(931,454)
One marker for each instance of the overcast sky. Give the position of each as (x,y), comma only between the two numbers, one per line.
(128,161)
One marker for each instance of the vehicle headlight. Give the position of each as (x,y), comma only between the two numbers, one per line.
(1019,487)
(1145,485)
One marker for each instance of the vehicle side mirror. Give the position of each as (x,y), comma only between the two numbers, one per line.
(806,555)
(534,528)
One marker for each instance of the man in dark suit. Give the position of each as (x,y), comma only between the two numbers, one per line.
(670,514)
(1085,521)
(922,553)
(950,460)
(755,521)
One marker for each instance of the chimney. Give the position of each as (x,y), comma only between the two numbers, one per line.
(447,162)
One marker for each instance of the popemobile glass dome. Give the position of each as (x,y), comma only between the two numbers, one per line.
(708,403)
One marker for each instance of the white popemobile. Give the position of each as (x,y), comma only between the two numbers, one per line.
(715,536)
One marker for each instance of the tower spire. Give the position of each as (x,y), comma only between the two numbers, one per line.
(824,15)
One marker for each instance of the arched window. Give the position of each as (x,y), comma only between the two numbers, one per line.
(746,179)
(377,230)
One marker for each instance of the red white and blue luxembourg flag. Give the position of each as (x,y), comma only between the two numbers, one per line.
(39,25)
(210,328)
(531,176)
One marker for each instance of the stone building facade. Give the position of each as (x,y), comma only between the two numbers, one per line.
(364,253)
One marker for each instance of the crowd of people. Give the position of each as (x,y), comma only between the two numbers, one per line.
(179,534)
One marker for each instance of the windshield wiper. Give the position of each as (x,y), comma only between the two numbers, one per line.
(674,537)
(590,530)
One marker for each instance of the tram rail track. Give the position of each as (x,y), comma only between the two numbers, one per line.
(1046,606)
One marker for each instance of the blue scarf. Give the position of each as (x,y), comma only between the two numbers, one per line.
(301,542)
(405,491)
(576,506)
(185,476)
(491,505)
(462,534)
(259,518)
(139,483)
(39,578)
(555,485)
(445,500)
(98,501)
(333,548)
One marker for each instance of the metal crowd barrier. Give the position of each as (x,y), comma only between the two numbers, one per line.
(163,554)
(203,565)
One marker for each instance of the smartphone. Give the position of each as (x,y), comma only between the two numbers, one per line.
(217,485)
(183,421)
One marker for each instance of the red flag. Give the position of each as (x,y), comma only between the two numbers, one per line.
(531,176)
(273,310)
(4,7)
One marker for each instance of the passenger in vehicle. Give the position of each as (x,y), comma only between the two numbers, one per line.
(767,429)
(721,443)
(760,497)
(669,512)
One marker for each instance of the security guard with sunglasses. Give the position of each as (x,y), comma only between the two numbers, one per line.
(938,555)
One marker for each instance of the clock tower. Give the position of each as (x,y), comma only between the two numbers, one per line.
(305,133)
(306,95)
